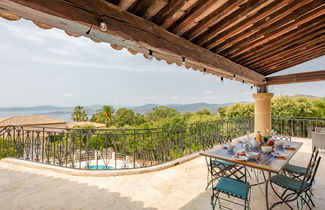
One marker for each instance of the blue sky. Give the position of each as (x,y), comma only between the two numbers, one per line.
(48,67)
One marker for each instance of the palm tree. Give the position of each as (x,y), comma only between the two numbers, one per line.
(79,114)
(106,114)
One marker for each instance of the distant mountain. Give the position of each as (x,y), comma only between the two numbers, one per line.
(308,96)
(64,113)
(57,110)
(180,107)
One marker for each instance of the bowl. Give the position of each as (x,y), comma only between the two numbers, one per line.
(231,147)
(252,155)
(266,148)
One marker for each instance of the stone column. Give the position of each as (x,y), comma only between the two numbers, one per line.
(262,113)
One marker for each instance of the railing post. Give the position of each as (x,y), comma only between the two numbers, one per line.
(134,139)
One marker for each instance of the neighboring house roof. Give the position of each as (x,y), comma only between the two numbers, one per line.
(30,120)
(96,125)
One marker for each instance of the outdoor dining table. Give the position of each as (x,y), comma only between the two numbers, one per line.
(266,163)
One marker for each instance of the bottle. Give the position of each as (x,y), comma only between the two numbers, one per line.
(259,137)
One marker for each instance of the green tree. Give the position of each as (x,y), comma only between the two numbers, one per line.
(161,112)
(105,115)
(79,114)
(124,117)
(320,108)
(239,111)
(285,106)
(204,111)
(222,111)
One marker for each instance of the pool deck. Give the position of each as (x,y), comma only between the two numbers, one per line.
(178,187)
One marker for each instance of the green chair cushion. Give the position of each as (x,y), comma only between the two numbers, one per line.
(288,182)
(295,169)
(233,187)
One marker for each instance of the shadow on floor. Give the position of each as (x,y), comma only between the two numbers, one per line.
(24,190)
(203,200)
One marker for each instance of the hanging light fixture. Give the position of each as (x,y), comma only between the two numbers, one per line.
(150,57)
(221,78)
(183,61)
(204,71)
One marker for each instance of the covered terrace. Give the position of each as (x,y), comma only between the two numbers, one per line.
(246,41)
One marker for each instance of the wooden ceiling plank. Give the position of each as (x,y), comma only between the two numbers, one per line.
(167,12)
(178,13)
(296,61)
(222,12)
(315,44)
(126,4)
(293,56)
(285,38)
(247,22)
(205,38)
(187,21)
(296,78)
(154,8)
(257,28)
(285,55)
(278,28)
(125,30)
(295,44)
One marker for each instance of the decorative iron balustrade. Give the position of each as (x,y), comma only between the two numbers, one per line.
(297,126)
(116,148)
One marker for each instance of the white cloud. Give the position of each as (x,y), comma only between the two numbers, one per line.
(147,97)
(208,92)
(174,97)
(67,94)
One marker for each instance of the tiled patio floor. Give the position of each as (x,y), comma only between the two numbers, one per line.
(179,187)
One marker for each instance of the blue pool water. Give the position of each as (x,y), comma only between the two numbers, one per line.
(99,167)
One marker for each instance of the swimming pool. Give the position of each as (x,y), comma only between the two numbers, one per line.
(99,167)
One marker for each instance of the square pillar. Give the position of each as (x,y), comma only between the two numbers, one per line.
(262,112)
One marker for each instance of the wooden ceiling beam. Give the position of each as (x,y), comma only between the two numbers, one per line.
(126,4)
(296,78)
(259,26)
(126,30)
(246,22)
(147,8)
(293,61)
(284,47)
(280,41)
(288,23)
(318,44)
(279,52)
(244,9)
(167,12)
(187,21)
(225,10)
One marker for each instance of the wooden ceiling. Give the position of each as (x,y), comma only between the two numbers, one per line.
(244,39)
(266,36)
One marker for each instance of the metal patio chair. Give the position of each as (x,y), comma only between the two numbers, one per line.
(297,171)
(217,169)
(232,188)
(295,189)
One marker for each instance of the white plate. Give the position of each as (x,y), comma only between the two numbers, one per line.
(278,154)
(287,146)
(239,157)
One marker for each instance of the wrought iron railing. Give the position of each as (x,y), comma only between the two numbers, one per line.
(118,148)
(296,126)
